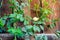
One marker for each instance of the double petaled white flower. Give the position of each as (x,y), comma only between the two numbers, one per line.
(35,18)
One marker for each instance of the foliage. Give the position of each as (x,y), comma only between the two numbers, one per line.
(57,34)
(16,31)
(29,1)
(16,16)
(2,24)
(38,22)
(41,37)
(29,29)
(43,15)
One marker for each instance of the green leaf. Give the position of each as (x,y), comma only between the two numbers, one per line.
(45,37)
(47,11)
(11,6)
(41,37)
(52,25)
(8,24)
(16,31)
(26,22)
(28,27)
(13,15)
(24,29)
(36,28)
(11,1)
(2,22)
(42,27)
(29,1)
(46,3)
(30,33)
(41,22)
(16,4)
(21,19)
(57,34)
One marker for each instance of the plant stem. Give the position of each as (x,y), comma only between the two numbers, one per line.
(15,38)
(37,13)
(40,3)
(14,25)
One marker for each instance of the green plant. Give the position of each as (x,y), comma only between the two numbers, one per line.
(41,37)
(17,32)
(38,22)
(28,29)
(57,33)
(16,16)
(2,24)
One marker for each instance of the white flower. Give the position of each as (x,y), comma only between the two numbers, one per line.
(35,18)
